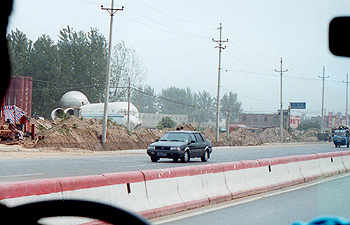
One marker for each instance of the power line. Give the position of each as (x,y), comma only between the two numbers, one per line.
(245,96)
(166,31)
(165,14)
(253,50)
(164,25)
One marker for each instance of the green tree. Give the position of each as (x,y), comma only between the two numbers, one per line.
(230,107)
(125,64)
(309,124)
(175,100)
(82,62)
(144,99)
(206,107)
(43,59)
(166,122)
(19,51)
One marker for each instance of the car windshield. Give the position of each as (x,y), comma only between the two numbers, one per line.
(340,132)
(175,137)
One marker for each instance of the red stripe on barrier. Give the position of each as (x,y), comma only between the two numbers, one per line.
(250,164)
(158,174)
(83,182)
(345,153)
(212,168)
(28,188)
(233,166)
(307,157)
(287,159)
(124,177)
(187,171)
(329,154)
(265,162)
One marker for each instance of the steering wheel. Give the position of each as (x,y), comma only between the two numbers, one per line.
(31,213)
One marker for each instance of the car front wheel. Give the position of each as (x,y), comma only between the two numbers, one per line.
(186,157)
(154,158)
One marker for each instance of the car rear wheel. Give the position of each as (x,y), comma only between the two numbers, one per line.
(205,157)
(186,157)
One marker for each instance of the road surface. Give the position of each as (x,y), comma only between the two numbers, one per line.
(17,169)
(327,196)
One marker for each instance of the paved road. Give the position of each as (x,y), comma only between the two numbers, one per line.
(38,168)
(330,197)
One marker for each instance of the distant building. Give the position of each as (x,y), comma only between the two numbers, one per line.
(261,120)
(151,120)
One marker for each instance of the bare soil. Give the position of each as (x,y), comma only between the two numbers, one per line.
(85,135)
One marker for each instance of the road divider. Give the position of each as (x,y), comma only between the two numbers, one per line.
(154,193)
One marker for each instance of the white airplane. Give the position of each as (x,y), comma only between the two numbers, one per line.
(76,103)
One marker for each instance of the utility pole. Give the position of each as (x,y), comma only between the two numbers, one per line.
(323,78)
(220,47)
(346,107)
(281,71)
(128,117)
(111,12)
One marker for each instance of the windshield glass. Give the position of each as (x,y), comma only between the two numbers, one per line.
(340,132)
(174,137)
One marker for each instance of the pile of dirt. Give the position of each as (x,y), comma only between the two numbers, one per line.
(86,134)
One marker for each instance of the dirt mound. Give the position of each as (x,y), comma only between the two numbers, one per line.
(86,134)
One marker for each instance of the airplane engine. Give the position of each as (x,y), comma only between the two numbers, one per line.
(56,113)
(69,111)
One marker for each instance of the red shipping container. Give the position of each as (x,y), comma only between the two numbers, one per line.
(19,93)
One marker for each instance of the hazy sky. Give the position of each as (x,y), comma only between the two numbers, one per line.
(174,38)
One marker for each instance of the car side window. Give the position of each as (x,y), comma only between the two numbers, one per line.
(193,138)
(204,139)
(199,138)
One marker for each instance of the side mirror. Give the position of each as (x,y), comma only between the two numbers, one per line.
(339,43)
(157,139)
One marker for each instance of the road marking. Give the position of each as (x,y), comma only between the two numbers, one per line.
(22,175)
(223,205)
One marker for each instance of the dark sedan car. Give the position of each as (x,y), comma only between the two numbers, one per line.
(180,145)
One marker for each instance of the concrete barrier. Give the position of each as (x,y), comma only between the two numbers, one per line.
(161,186)
(328,161)
(190,186)
(346,159)
(310,167)
(294,169)
(278,172)
(13,194)
(154,193)
(253,176)
(214,183)
(128,190)
(235,179)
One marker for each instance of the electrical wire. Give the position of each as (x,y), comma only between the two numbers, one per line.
(173,17)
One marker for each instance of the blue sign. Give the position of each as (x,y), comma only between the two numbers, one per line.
(297,105)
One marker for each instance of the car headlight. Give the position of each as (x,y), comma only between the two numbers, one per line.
(175,148)
(151,147)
